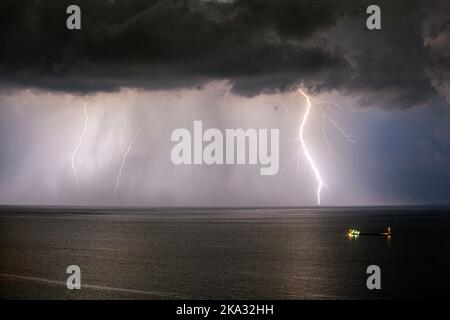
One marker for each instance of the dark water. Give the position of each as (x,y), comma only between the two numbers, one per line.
(223,253)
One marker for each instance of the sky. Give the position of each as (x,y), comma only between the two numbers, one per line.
(145,68)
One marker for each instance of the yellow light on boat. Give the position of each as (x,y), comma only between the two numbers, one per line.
(353,233)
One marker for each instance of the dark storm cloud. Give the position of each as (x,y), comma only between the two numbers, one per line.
(393,67)
(256,45)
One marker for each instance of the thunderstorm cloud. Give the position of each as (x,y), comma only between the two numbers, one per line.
(160,65)
(257,46)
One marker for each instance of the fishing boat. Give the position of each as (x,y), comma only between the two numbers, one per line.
(353,233)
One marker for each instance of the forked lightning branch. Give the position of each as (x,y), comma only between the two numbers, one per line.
(249,146)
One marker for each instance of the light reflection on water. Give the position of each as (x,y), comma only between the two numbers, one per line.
(226,253)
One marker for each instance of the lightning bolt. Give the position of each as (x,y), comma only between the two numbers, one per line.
(305,150)
(350,138)
(124,159)
(77,146)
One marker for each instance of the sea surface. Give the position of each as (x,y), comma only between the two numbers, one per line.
(288,253)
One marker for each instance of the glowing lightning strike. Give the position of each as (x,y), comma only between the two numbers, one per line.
(124,158)
(305,149)
(80,140)
(326,119)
